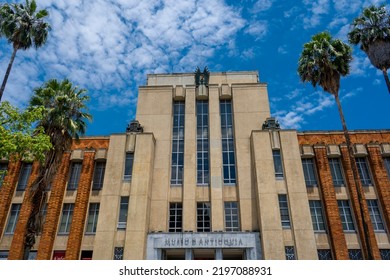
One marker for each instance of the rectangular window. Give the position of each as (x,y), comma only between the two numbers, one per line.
(277,164)
(42,217)
(290,253)
(86,255)
(203,217)
(74,177)
(177,164)
(309,172)
(59,255)
(375,215)
(385,254)
(316,215)
(202,141)
(93,215)
(232,221)
(13,218)
(175,217)
(284,213)
(3,172)
(128,166)
(355,254)
(228,154)
(66,219)
(118,253)
(124,207)
(336,171)
(346,215)
(364,171)
(25,172)
(3,255)
(324,254)
(98,175)
(387,165)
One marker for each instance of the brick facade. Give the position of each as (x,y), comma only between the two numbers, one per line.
(81,207)
(7,191)
(371,141)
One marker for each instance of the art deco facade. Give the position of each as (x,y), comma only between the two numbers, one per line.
(206,174)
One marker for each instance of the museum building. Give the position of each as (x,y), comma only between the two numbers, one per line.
(206,173)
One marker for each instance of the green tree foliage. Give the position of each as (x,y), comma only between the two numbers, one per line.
(18,138)
(371,31)
(23,26)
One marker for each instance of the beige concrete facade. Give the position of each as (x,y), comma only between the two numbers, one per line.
(145,227)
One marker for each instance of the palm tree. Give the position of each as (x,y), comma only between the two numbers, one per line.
(372,31)
(23,26)
(322,62)
(64,119)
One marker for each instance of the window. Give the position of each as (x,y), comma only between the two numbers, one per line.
(74,178)
(42,216)
(3,172)
(202,141)
(387,165)
(284,214)
(93,215)
(375,215)
(59,255)
(385,254)
(118,253)
(13,218)
(346,215)
(324,254)
(277,164)
(128,166)
(25,172)
(309,172)
(124,207)
(336,171)
(232,221)
(98,175)
(364,172)
(66,219)
(203,217)
(228,154)
(177,164)
(32,255)
(355,254)
(86,255)
(290,253)
(175,217)
(3,255)
(316,215)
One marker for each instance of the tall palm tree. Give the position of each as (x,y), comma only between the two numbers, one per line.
(322,62)
(64,119)
(372,31)
(23,26)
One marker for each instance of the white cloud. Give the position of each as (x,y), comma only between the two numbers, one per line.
(262,5)
(106,45)
(257,29)
(295,116)
(282,49)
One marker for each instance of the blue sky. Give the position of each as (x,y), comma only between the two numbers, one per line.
(109,46)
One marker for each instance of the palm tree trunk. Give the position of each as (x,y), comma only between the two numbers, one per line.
(384,70)
(7,72)
(367,249)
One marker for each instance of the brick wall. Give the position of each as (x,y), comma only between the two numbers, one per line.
(7,191)
(336,234)
(371,140)
(81,207)
(17,245)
